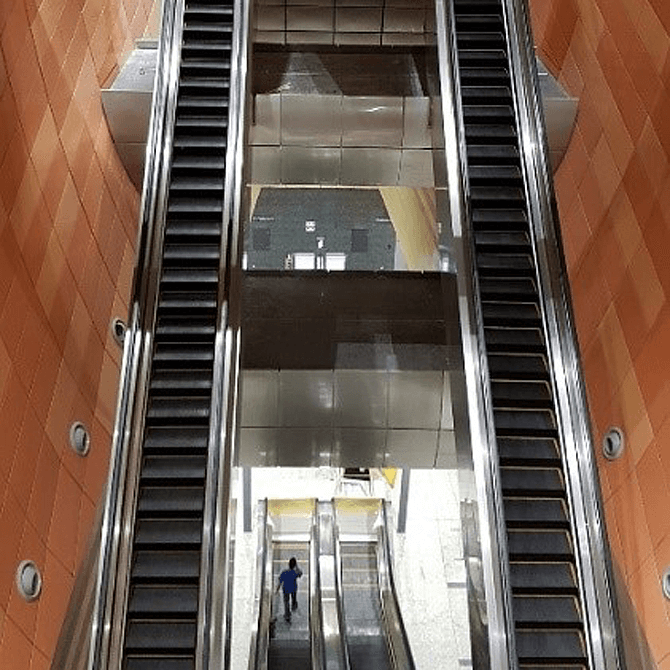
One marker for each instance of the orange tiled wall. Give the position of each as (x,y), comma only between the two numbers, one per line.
(67,230)
(613,192)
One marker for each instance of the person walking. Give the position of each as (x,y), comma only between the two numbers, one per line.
(288,581)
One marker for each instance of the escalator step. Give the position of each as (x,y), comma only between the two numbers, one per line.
(185,354)
(532,422)
(178,276)
(505,264)
(178,438)
(193,329)
(478,114)
(536,513)
(541,578)
(159,566)
(528,451)
(180,302)
(477,21)
(522,289)
(190,254)
(500,154)
(532,481)
(502,240)
(548,646)
(145,601)
(518,366)
(513,340)
(192,229)
(168,381)
(160,636)
(133,662)
(540,611)
(499,219)
(497,196)
(499,133)
(178,533)
(484,75)
(471,57)
(188,164)
(182,409)
(485,94)
(196,184)
(188,205)
(155,500)
(522,314)
(526,394)
(497,174)
(176,468)
(532,545)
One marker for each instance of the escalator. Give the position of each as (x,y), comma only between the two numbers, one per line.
(165,556)
(289,647)
(547,612)
(365,636)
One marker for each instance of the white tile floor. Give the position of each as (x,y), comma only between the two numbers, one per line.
(428,563)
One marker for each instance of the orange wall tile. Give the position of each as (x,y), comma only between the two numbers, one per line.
(67,230)
(617,61)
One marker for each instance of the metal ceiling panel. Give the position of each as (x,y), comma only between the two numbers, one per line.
(370,167)
(265,165)
(403,39)
(358,19)
(416,123)
(361,397)
(260,398)
(416,168)
(358,39)
(310,165)
(411,448)
(271,18)
(446,452)
(307,17)
(267,116)
(358,447)
(415,399)
(311,120)
(372,121)
(309,37)
(404,20)
(447,411)
(306,398)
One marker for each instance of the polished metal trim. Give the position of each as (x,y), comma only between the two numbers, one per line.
(592,552)
(315,616)
(486,487)
(336,656)
(397,641)
(260,632)
(113,563)
(214,625)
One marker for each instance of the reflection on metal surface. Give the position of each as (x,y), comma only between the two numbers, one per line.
(334,648)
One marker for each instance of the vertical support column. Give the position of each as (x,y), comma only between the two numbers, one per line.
(404,495)
(246,498)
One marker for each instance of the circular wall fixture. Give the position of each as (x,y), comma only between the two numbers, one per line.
(665,582)
(118,328)
(80,440)
(613,443)
(28,580)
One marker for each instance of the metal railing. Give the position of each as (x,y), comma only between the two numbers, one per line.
(397,641)
(592,551)
(486,488)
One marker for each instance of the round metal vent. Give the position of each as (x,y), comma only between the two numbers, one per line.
(665,583)
(80,440)
(613,443)
(118,328)
(28,580)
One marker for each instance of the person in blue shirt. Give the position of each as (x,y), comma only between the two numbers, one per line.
(288,581)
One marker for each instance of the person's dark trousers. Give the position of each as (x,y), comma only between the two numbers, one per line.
(287,609)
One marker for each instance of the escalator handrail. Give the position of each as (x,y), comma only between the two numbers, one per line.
(215,600)
(393,626)
(315,615)
(594,563)
(336,655)
(260,634)
(487,488)
(126,439)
